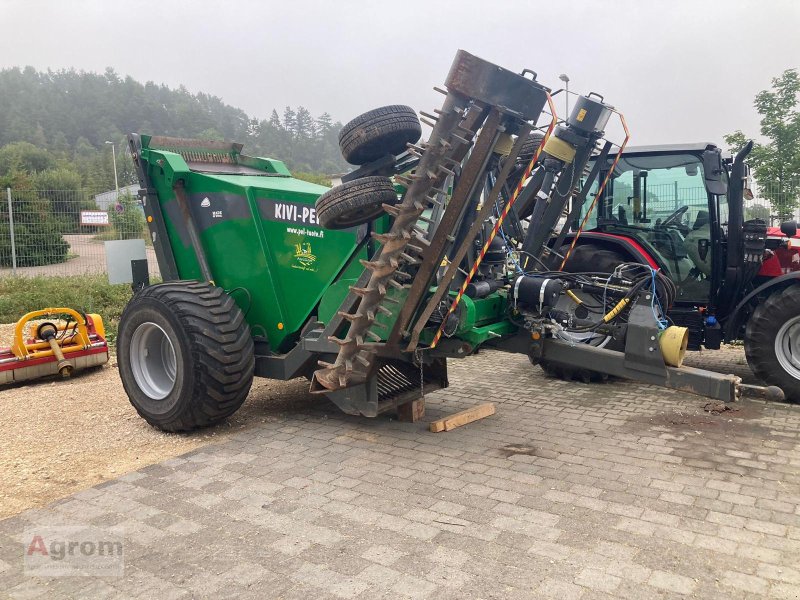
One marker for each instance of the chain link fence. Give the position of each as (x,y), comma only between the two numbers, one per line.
(53,232)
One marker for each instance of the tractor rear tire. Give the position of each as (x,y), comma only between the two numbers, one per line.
(772,341)
(379,132)
(355,202)
(185,355)
(588,258)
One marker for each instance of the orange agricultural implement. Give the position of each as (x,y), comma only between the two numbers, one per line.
(59,341)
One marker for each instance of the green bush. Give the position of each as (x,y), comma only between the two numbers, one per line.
(129,222)
(317,178)
(63,190)
(37,234)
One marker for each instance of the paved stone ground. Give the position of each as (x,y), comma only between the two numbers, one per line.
(570,491)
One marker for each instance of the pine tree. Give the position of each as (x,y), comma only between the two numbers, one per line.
(73,113)
(304,124)
(275,120)
(37,239)
(290,121)
(324,125)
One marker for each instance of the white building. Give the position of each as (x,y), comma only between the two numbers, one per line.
(108,200)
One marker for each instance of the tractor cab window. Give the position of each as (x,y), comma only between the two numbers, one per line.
(662,203)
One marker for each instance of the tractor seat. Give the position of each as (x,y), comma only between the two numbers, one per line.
(701,220)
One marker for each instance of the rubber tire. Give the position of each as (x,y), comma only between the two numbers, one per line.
(588,258)
(523,158)
(213,348)
(529,147)
(583,259)
(379,132)
(355,202)
(759,339)
(566,373)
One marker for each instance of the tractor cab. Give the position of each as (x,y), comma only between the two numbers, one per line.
(667,206)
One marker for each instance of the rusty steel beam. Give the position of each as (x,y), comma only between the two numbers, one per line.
(471,177)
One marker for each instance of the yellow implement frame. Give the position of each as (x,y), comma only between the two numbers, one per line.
(71,343)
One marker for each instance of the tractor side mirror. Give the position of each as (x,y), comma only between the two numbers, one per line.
(789,228)
(714,172)
(702,249)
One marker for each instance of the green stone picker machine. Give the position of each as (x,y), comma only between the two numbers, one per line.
(427,251)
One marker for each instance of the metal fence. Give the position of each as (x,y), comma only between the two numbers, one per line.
(774,202)
(771,202)
(52,232)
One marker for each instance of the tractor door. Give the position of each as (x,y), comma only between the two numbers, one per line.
(661,202)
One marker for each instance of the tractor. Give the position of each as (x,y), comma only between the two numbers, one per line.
(681,209)
(368,288)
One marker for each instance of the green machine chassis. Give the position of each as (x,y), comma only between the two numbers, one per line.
(246,225)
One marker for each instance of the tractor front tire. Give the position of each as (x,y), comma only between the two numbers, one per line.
(585,259)
(185,355)
(772,341)
(379,132)
(355,202)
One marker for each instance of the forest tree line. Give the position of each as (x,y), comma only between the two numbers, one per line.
(56,131)
(59,122)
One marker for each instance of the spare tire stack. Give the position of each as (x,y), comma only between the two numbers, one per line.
(380,132)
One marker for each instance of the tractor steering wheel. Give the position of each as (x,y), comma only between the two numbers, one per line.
(674,216)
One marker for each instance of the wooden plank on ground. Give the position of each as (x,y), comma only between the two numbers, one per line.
(463,417)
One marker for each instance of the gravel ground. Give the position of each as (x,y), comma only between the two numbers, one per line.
(58,437)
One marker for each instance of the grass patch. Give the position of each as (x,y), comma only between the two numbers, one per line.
(111,235)
(87,293)
(105,236)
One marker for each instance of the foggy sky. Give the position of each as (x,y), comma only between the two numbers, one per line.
(679,70)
